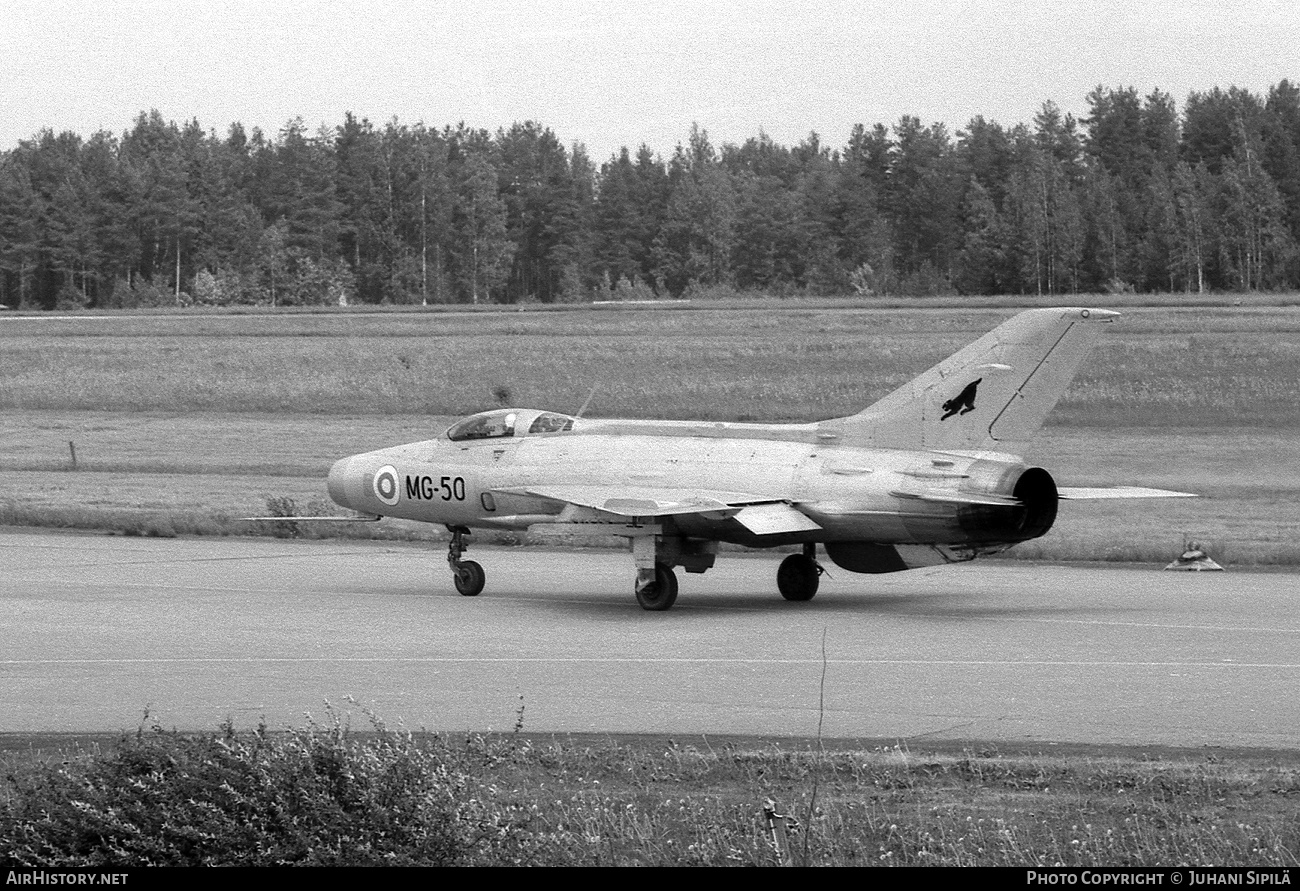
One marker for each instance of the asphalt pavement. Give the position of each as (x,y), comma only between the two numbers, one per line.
(97,630)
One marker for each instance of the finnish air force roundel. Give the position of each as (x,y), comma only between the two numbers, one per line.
(386,485)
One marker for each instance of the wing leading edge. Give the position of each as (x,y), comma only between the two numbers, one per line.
(761,514)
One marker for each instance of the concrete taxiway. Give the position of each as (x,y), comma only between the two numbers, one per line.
(94,630)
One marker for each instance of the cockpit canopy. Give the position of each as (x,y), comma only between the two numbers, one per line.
(507,422)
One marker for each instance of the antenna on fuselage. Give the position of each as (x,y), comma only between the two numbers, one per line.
(588,402)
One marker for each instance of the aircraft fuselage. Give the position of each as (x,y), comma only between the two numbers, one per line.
(851,494)
(927,474)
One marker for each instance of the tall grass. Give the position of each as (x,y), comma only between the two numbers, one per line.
(315,796)
(326,795)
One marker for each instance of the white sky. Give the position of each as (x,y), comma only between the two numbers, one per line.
(608,74)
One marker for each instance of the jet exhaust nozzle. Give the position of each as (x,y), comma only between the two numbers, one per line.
(1034,489)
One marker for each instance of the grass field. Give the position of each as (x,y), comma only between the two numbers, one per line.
(182,423)
(1157,367)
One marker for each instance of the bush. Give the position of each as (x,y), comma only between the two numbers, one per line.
(697,291)
(281,506)
(863,281)
(207,289)
(316,797)
(926,282)
(227,287)
(71,297)
(632,289)
(321,283)
(142,292)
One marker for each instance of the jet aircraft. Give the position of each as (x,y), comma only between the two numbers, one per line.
(929,474)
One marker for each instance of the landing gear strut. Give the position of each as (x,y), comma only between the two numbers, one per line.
(799,574)
(656,583)
(467,574)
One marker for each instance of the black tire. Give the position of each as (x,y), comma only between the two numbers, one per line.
(470,578)
(797,578)
(662,594)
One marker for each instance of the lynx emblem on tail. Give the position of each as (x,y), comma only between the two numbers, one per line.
(964,402)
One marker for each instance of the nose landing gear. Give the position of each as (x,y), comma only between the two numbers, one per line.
(468,575)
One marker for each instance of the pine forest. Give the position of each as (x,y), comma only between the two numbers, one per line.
(1135,196)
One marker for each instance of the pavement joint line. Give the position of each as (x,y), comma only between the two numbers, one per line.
(539,660)
(252,558)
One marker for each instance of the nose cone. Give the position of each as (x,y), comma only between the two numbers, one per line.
(345,485)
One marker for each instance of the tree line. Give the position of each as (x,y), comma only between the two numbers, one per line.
(1134,196)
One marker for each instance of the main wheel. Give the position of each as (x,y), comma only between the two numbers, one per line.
(797,578)
(660,594)
(470,578)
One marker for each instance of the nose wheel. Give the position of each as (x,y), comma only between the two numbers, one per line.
(468,575)
(470,578)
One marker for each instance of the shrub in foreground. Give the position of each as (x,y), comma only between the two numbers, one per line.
(316,796)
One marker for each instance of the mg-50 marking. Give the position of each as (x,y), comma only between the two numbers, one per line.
(447,488)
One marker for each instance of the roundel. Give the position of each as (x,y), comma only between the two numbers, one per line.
(385,484)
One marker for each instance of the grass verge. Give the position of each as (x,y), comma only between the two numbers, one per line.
(324,794)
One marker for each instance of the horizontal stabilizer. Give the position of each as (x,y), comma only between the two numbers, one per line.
(772,519)
(1098,493)
(643,501)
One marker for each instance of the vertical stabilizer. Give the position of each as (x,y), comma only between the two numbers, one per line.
(992,395)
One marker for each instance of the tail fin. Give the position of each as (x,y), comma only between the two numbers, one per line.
(992,395)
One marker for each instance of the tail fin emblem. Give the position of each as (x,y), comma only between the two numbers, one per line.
(964,402)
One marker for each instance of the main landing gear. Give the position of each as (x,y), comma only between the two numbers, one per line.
(799,574)
(655,555)
(467,574)
(656,589)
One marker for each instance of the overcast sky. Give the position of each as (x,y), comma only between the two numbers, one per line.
(609,74)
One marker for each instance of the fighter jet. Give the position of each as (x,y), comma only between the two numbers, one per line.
(929,474)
